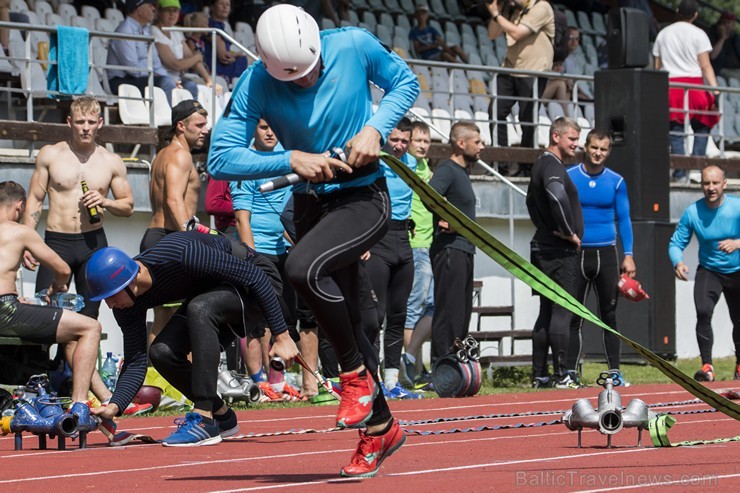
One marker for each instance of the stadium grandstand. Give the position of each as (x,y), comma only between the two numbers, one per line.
(449,91)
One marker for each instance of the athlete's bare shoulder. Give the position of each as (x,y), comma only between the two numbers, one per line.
(50,152)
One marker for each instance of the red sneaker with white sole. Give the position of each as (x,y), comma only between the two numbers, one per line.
(358,393)
(372,451)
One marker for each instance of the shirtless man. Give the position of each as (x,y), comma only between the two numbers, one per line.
(60,170)
(174,185)
(79,334)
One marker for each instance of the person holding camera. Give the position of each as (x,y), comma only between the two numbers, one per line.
(529,27)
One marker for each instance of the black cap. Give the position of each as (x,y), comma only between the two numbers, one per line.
(132,5)
(687,8)
(184,109)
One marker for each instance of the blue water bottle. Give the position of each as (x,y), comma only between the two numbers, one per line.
(109,372)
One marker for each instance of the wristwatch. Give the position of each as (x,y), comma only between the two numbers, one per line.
(495,17)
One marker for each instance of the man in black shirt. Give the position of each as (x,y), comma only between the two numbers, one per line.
(451,253)
(554,208)
(224,292)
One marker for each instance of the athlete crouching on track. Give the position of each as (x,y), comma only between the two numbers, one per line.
(312,88)
(224,295)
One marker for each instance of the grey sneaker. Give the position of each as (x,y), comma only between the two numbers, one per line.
(566,382)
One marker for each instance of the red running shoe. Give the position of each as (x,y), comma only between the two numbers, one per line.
(372,451)
(292,394)
(706,374)
(737,373)
(358,393)
(137,409)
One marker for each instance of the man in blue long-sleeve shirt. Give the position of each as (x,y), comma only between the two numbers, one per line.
(603,197)
(715,220)
(223,295)
(135,54)
(312,88)
(552,202)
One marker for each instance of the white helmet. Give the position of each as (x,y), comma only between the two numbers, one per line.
(288,42)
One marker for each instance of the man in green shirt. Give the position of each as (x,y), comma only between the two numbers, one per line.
(420,307)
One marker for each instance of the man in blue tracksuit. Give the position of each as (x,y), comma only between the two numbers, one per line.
(603,197)
(715,220)
(312,88)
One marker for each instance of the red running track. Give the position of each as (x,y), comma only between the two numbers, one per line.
(541,458)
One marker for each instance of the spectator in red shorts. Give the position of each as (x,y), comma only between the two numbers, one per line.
(683,49)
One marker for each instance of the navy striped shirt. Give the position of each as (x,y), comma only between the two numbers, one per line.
(184,265)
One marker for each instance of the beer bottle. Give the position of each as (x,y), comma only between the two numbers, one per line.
(93,211)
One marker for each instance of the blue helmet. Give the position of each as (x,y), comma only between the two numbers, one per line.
(108,271)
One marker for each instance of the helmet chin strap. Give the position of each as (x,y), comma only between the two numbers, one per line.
(130,293)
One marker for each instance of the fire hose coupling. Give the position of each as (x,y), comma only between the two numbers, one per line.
(609,418)
(234,387)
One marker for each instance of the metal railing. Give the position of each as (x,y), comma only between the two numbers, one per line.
(25,63)
(214,33)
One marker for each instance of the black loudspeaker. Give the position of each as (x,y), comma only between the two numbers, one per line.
(633,105)
(627,38)
(650,322)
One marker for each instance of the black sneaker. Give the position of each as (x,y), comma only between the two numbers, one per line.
(542,383)
(407,373)
(227,423)
(424,382)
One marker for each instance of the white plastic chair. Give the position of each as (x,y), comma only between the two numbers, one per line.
(114,15)
(18,6)
(407,6)
(79,21)
(543,131)
(404,22)
(384,34)
(514,130)
(131,106)
(179,94)
(42,7)
(104,25)
(422,102)
(90,13)
(441,119)
(482,119)
(369,18)
(162,108)
(68,12)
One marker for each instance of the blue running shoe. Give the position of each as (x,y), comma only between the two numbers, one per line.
(623,382)
(398,392)
(386,392)
(192,431)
